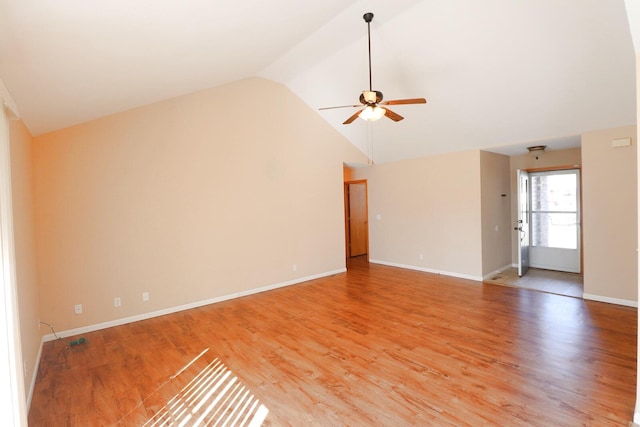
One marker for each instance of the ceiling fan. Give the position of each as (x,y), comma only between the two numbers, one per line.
(372,99)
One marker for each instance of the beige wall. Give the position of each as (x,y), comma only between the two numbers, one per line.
(428,206)
(199,197)
(23,228)
(553,158)
(496,213)
(610,224)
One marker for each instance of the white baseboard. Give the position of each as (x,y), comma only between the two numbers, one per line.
(32,386)
(427,270)
(145,316)
(618,301)
(498,271)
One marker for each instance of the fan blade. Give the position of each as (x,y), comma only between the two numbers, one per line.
(352,118)
(393,116)
(405,101)
(341,106)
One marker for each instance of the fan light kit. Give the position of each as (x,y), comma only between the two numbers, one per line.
(371,113)
(372,99)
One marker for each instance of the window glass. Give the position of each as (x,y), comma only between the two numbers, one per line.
(554,193)
(554,216)
(554,230)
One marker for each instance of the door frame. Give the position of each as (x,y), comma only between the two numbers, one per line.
(562,168)
(523,217)
(347,224)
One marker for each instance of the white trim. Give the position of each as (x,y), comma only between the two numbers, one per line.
(170,310)
(427,270)
(618,301)
(633,15)
(6,99)
(12,389)
(32,386)
(498,271)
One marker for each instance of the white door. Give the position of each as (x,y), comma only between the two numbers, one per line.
(555,220)
(522,228)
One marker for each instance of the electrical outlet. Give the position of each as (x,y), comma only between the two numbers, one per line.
(145,296)
(117,302)
(77,309)
(294,267)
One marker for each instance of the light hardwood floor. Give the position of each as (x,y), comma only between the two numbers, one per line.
(375,346)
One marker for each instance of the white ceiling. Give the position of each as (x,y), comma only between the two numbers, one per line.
(497,74)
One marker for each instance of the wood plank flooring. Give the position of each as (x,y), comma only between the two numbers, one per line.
(375,346)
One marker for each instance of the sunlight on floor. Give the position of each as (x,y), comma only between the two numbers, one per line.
(214,397)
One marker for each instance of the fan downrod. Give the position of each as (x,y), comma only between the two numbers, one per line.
(372,99)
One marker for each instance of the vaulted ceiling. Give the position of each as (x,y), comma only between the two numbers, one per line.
(497,74)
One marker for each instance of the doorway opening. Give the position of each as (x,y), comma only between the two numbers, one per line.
(549,232)
(549,220)
(555,220)
(356,219)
